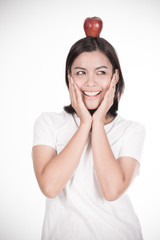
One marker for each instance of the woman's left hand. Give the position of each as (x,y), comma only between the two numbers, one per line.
(100,114)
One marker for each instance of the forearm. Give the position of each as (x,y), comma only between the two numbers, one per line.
(107,168)
(59,169)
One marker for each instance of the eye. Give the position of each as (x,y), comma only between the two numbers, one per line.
(101,72)
(80,72)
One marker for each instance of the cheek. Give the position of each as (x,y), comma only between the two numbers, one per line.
(107,85)
(79,80)
(78,83)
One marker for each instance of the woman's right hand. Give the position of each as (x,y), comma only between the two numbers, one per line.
(78,104)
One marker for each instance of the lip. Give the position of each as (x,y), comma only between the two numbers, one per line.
(91,94)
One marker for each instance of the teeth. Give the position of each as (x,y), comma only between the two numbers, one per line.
(91,93)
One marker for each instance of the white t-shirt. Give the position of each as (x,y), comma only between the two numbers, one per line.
(79,211)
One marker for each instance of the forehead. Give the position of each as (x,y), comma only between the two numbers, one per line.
(92,59)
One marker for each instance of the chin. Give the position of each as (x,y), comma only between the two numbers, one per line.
(92,106)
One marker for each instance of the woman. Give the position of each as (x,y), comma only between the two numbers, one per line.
(87,156)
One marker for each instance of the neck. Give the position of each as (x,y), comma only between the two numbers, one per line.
(108,118)
(92,111)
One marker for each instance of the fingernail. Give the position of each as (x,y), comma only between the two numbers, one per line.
(72,81)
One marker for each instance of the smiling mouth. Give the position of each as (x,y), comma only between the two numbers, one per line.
(92,94)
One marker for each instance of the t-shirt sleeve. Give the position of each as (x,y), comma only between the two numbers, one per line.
(133,141)
(43,132)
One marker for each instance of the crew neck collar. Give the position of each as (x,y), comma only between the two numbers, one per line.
(106,126)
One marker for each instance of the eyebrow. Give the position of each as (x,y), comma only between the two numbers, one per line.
(101,67)
(82,68)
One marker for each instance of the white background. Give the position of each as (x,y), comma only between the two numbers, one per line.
(35,37)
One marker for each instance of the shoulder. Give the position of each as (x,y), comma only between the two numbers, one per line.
(132,136)
(53,116)
(130,126)
(48,125)
(53,119)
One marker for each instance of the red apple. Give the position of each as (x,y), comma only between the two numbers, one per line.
(93,26)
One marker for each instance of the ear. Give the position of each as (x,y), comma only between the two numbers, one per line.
(116,76)
(68,72)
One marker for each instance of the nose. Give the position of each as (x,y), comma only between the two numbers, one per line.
(91,81)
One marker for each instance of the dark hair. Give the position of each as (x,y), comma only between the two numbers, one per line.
(89,44)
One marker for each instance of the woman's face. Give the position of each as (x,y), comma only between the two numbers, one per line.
(92,73)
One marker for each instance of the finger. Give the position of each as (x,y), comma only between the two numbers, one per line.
(114,80)
(77,92)
(111,91)
(72,92)
(70,87)
(112,87)
(77,101)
